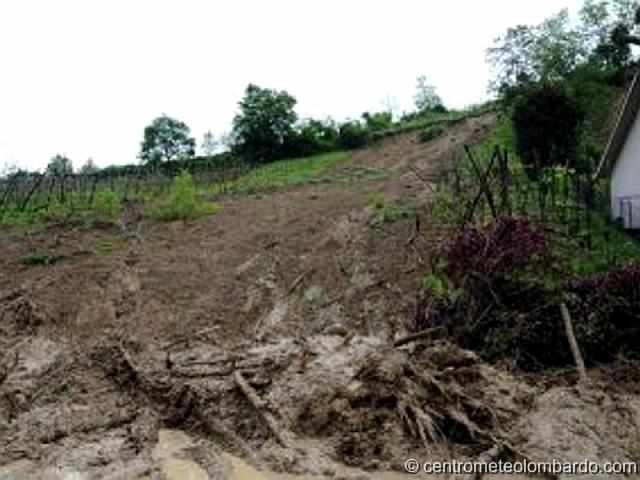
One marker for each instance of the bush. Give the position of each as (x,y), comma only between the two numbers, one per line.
(107,205)
(352,135)
(496,252)
(431,133)
(183,203)
(40,258)
(489,294)
(377,121)
(311,138)
(547,125)
(607,313)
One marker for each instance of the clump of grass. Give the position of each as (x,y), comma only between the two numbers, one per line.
(40,258)
(108,245)
(379,201)
(390,212)
(183,202)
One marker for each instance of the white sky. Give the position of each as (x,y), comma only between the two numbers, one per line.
(84,77)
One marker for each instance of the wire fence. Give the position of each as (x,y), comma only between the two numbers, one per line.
(561,198)
(25,192)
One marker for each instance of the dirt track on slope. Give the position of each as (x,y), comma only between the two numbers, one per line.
(300,290)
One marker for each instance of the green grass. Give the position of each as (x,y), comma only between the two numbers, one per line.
(110,244)
(393,211)
(434,119)
(185,199)
(282,173)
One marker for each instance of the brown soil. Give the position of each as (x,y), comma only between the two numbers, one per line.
(267,331)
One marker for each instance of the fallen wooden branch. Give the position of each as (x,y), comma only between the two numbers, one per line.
(573,343)
(423,180)
(299,280)
(416,231)
(416,336)
(260,405)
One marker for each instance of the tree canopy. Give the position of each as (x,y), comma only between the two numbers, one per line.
(262,126)
(166,139)
(547,123)
(426,97)
(552,49)
(59,166)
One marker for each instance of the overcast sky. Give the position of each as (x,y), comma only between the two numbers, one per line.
(84,77)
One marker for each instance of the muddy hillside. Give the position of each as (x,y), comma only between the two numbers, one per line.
(273,340)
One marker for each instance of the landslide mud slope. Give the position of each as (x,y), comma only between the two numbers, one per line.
(265,332)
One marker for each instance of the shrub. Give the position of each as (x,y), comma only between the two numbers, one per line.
(107,205)
(488,291)
(183,202)
(430,133)
(40,258)
(352,135)
(607,313)
(312,137)
(377,121)
(496,252)
(547,125)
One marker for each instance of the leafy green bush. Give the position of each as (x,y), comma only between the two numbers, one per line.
(352,135)
(312,137)
(183,202)
(107,205)
(40,258)
(377,121)
(430,133)
(547,125)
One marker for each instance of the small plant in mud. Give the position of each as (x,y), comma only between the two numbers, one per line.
(40,258)
(391,212)
(183,202)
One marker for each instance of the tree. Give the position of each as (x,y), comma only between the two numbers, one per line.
(511,58)
(553,49)
(59,166)
(166,139)
(426,97)
(209,144)
(547,124)
(311,137)
(263,124)
(89,167)
(558,47)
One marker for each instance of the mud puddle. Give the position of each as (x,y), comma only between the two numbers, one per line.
(174,447)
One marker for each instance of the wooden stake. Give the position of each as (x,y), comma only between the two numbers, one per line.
(573,343)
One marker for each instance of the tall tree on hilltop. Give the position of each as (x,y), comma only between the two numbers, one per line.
(264,123)
(166,139)
(59,166)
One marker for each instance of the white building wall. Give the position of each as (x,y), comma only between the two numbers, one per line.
(625,180)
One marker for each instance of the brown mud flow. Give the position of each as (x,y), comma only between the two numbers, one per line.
(261,342)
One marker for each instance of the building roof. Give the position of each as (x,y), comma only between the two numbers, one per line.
(624,122)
